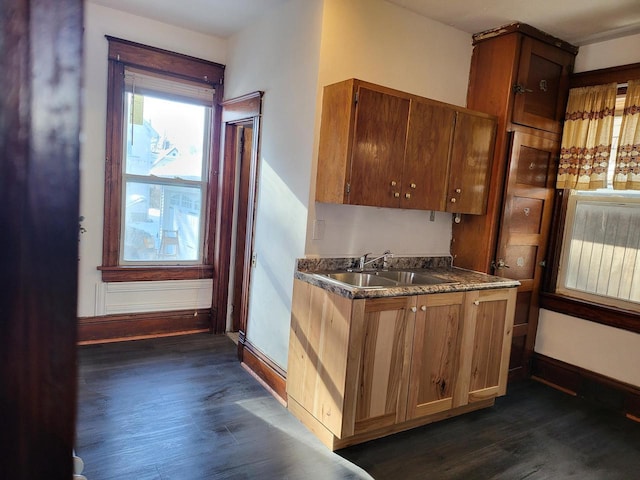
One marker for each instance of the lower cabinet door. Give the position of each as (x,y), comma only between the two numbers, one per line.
(486,344)
(436,349)
(379,350)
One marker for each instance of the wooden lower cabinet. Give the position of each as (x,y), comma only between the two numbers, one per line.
(365,368)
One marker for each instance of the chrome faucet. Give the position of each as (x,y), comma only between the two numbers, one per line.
(385,262)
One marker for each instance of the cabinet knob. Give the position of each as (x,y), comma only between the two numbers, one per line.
(458,190)
(476,302)
(396,194)
(414,309)
(407,195)
(413,185)
(393,183)
(423,308)
(453,200)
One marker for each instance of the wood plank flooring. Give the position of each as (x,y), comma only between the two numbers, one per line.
(183,408)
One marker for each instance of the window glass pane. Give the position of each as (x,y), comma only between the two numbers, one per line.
(162,223)
(164,138)
(601,251)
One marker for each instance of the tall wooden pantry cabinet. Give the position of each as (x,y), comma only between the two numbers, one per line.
(520,75)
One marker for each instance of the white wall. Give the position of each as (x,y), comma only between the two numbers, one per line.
(279,55)
(290,55)
(382,43)
(611,53)
(589,345)
(94,297)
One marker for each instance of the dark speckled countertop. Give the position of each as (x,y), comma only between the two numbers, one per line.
(454,279)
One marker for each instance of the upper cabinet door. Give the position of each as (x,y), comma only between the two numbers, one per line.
(470,163)
(542,85)
(426,163)
(378,148)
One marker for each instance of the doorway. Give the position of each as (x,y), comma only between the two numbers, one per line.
(239,173)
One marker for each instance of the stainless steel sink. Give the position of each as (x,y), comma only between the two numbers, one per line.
(412,278)
(361,279)
(381,279)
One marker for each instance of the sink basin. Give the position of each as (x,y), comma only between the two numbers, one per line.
(360,279)
(412,278)
(383,279)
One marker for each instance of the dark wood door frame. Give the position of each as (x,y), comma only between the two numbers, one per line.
(235,113)
(40,112)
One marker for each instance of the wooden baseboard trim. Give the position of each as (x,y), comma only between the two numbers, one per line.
(263,368)
(134,326)
(577,381)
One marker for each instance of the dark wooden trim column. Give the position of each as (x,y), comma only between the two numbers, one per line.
(41,65)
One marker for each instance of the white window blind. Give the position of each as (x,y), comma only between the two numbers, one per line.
(148,84)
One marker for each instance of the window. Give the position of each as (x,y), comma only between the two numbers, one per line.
(601,246)
(160,189)
(595,244)
(601,249)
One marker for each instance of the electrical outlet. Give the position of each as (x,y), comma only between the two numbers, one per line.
(318,230)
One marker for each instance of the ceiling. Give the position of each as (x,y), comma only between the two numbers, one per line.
(576,21)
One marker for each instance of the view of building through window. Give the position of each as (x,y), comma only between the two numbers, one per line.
(164,179)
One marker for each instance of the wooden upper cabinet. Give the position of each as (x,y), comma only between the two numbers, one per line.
(426,165)
(378,148)
(386,148)
(470,164)
(542,85)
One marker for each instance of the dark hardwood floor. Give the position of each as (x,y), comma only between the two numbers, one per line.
(183,408)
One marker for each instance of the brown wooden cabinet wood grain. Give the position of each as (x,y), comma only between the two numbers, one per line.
(386,148)
(521,76)
(542,85)
(364,368)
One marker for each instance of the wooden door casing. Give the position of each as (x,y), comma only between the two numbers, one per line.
(435,356)
(524,230)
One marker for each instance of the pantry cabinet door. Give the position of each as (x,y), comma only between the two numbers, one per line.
(542,86)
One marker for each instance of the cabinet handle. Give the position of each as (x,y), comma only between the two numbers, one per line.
(520,89)
(423,308)
(393,183)
(414,309)
(453,200)
(407,195)
(396,194)
(476,302)
(458,190)
(413,185)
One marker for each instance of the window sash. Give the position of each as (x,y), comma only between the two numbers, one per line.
(600,259)
(151,89)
